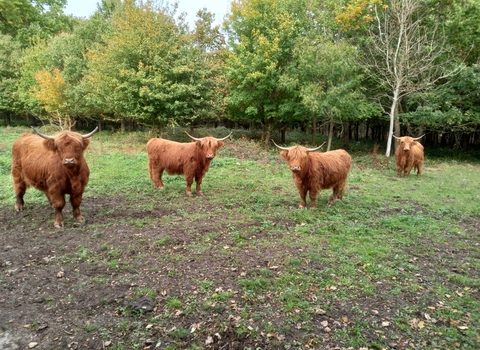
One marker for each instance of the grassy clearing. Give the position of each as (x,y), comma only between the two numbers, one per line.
(394,265)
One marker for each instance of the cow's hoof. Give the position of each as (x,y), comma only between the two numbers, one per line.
(200,193)
(59,226)
(19,209)
(189,194)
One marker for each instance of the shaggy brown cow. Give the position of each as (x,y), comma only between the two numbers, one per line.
(54,165)
(409,154)
(191,160)
(313,172)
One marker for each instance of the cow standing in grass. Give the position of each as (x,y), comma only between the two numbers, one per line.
(54,165)
(409,154)
(192,160)
(313,172)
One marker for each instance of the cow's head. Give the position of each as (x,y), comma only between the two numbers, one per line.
(406,142)
(296,156)
(208,145)
(68,145)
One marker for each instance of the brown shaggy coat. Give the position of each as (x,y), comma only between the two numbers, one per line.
(55,166)
(192,160)
(313,172)
(409,154)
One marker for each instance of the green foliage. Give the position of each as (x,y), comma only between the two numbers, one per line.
(452,107)
(262,35)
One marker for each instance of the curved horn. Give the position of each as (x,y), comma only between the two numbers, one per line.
(226,137)
(280,147)
(398,138)
(418,138)
(193,138)
(42,135)
(316,148)
(86,136)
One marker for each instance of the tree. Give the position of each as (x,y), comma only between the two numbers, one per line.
(331,81)
(151,69)
(405,51)
(9,73)
(262,36)
(25,20)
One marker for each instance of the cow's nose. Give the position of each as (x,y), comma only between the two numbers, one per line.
(406,149)
(69,161)
(210,156)
(295,168)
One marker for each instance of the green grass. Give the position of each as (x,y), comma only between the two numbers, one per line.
(395,262)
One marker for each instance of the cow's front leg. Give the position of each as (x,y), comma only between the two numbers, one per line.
(75,201)
(58,203)
(303,197)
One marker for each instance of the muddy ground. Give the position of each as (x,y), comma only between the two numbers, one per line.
(110,283)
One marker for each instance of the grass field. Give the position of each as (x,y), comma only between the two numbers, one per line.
(395,265)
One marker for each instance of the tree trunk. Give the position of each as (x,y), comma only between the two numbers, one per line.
(346,134)
(330,135)
(393,111)
(314,130)
(283,132)
(268,131)
(122,125)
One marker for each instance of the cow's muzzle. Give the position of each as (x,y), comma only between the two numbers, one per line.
(295,169)
(210,156)
(69,162)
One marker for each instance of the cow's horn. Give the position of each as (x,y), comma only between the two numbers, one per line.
(316,148)
(40,134)
(280,147)
(398,138)
(418,138)
(90,133)
(193,138)
(226,137)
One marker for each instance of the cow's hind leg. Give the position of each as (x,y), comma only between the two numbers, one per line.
(156,176)
(198,181)
(338,191)
(189,180)
(419,168)
(19,186)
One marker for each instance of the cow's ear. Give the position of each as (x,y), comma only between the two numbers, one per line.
(86,142)
(49,144)
(220,143)
(284,154)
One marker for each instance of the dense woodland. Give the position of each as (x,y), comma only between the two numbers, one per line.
(356,69)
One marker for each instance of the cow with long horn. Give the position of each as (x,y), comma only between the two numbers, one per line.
(54,165)
(192,160)
(313,171)
(408,155)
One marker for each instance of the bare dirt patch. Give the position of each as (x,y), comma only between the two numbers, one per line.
(82,287)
